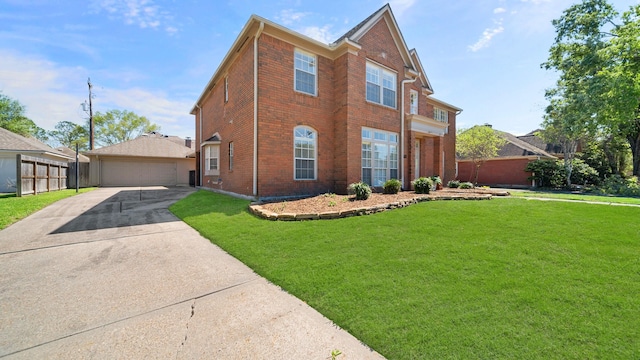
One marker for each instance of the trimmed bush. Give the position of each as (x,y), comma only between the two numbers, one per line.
(422,185)
(392,186)
(466,185)
(361,190)
(453,184)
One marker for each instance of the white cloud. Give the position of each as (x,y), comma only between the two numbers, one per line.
(143,13)
(289,16)
(52,93)
(487,36)
(499,10)
(400,6)
(322,34)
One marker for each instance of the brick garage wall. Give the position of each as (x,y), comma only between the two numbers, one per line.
(233,121)
(280,110)
(508,172)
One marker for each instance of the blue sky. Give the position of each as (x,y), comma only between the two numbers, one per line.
(154,57)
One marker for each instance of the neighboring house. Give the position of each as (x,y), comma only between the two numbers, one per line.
(151,159)
(285,115)
(507,169)
(12,144)
(72,154)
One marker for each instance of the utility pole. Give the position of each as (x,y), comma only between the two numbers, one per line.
(90,116)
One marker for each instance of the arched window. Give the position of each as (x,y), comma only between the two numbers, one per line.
(305,152)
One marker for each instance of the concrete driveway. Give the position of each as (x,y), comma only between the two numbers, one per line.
(113,274)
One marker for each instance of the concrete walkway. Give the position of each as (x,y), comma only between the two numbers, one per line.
(113,274)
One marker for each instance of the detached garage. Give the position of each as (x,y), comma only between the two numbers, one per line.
(152,159)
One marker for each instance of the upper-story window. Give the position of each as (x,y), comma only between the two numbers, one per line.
(413,102)
(381,85)
(441,115)
(304,153)
(231,155)
(226,89)
(305,72)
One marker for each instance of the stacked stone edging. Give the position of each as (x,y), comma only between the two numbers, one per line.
(259,211)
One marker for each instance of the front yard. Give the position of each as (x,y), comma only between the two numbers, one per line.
(504,278)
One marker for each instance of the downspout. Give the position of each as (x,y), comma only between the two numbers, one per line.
(200,143)
(255,109)
(401,162)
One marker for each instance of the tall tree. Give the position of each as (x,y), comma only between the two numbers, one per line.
(598,64)
(12,118)
(116,126)
(69,134)
(478,144)
(621,78)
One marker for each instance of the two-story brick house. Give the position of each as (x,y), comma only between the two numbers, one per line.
(286,115)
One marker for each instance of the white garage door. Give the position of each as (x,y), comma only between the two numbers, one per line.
(138,173)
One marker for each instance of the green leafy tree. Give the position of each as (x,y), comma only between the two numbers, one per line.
(621,79)
(116,126)
(478,144)
(13,119)
(596,56)
(69,134)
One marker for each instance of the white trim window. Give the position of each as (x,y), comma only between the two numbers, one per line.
(379,156)
(381,86)
(413,102)
(212,160)
(230,155)
(304,153)
(305,72)
(226,89)
(440,115)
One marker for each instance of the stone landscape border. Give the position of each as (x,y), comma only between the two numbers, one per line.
(259,211)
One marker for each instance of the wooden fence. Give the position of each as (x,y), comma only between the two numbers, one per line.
(37,175)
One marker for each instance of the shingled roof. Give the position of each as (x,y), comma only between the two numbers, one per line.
(10,141)
(518,147)
(355,29)
(147,145)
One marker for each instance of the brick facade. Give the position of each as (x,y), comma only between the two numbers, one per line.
(337,112)
(497,172)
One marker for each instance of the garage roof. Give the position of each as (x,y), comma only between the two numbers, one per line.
(147,145)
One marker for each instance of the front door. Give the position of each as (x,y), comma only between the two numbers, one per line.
(417,160)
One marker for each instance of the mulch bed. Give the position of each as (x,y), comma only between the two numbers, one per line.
(332,206)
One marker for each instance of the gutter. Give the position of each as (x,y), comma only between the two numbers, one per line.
(401,160)
(200,142)
(255,108)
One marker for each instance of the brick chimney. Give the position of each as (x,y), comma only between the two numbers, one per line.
(187,142)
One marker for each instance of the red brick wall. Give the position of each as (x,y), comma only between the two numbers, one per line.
(280,110)
(377,45)
(508,172)
(233,121)
(337,113)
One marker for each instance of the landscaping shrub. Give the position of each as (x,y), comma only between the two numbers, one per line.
(422,185)
(617,185)
(453,184)
(466,185)
(552,173)
(392,186)
(361,190)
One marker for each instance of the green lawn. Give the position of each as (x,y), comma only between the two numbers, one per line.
(580,197)
(13,208)
(499,279)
